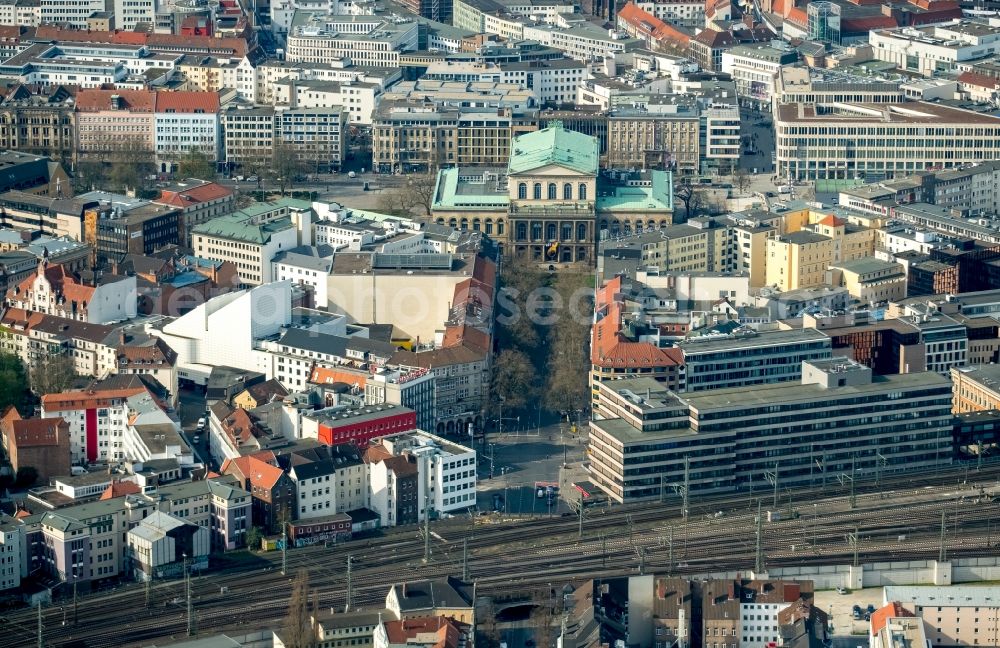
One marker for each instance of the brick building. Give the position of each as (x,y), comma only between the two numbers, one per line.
(41,443)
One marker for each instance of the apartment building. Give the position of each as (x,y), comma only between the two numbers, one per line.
(112,124)
(316,136)
(975,388)
(36,337)
(956,615)
(319,37)
(800,259)
(446,470)
(251,237)
(410,135)
(821,141)
(199,201)
(184,122)
(358,99)
(12,552)
(248,137)
(75,14)
(98,421)
(39,124)
(41,443)
(700,245)
(749,358)
(217,73)
(55,291)
(838,414)
(216,504)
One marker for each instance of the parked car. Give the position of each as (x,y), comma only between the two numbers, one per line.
(253,179)
(841,590)
(856,612)
(202,423)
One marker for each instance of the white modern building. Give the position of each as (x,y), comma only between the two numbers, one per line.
(357,98)
(225,329)
(320,37)
(74,13)
(447,470)
(932,49)
(129,13)
(12,557)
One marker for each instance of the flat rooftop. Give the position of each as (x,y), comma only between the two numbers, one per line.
(796,392)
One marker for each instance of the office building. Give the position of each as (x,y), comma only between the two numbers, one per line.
(838,415)
(251,237)
(900,139)
(748,358)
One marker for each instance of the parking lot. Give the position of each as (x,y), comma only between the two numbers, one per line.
(839,607)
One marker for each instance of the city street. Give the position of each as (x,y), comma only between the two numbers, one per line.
(520,459)
(191,407)
(335,187)
(759,127)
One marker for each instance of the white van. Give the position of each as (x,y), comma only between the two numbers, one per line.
(76,471)
(785,189)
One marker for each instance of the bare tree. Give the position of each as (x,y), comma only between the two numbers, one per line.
(52,374)
(742,179)
(489,632)
(286,165)
(542,619)
(416,197)
(513,378)
(298,631)
(196,164)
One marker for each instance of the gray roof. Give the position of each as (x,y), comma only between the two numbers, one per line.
(951,596)
(430,594)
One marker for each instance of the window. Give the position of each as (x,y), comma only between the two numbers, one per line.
(583,191)
(552,191)
(567,191)
(522,191)
(538,191)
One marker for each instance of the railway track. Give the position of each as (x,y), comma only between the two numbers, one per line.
(655,537)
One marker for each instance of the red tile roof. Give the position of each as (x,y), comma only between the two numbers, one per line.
(325,376)
(263,475)
(832,221)
(646,23)
(977,79)
(120,489)
(86,399)
(59,282)
(470,335)
(184,101)
(37,432)
(881,616)
(94,100)
(864,24)
(445,631)
(609,348)
(194,195)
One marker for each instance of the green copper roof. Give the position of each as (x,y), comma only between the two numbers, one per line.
(241,226)
(554,145)
(660,195)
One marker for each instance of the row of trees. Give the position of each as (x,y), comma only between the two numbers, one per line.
(130,164)
(544,337)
